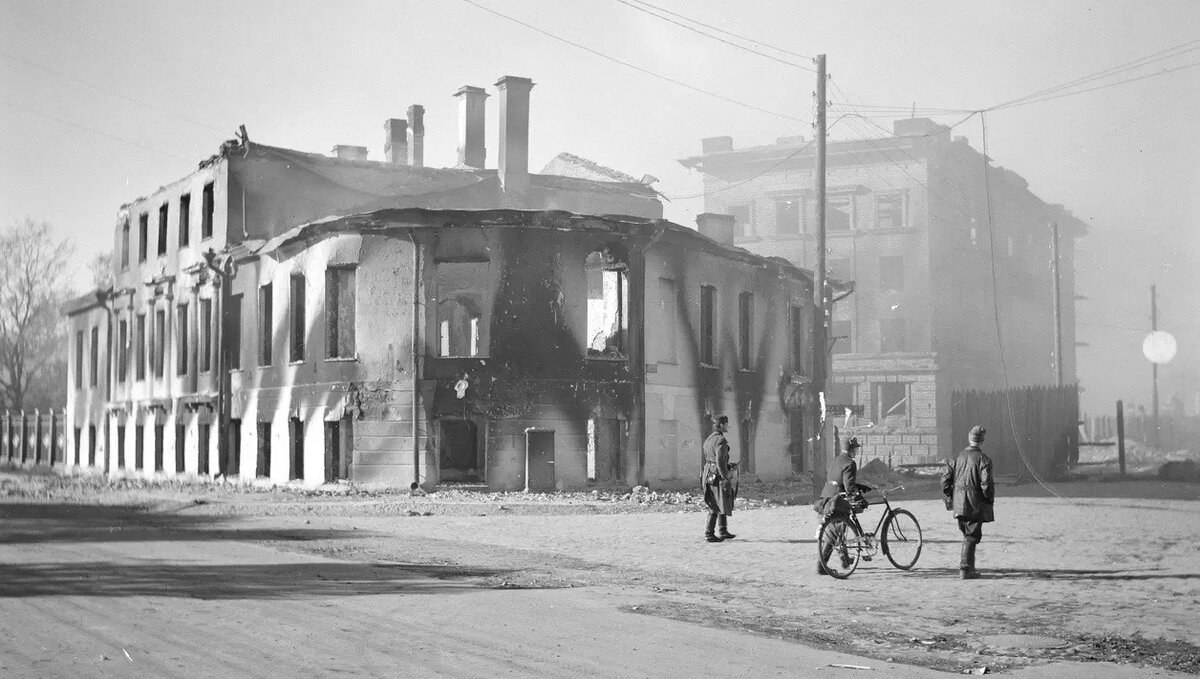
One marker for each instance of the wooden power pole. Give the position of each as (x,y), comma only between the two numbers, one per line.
(820,298)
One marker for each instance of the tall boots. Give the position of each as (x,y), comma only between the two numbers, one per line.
(966,564)
(717,528)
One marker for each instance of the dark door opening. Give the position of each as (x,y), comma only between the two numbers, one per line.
(262,469)
(202,448)
(539,461)
(120,446)
(604,450)
(296,429)
(180,442)
(458,451)
(158,447)
(333,452)
(91,445)
(231,464)
(139,446)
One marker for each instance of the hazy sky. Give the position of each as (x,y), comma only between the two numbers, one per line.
(104,102)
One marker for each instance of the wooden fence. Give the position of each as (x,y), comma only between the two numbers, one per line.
(1175,432)
(1027,428)
(33,437)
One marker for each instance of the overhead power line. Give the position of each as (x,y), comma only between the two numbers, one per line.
(90,129)
(722,30)
(710,35)
(635,66)
(1098,87)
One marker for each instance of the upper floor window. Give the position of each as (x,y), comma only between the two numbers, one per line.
(125,245)
(889,211)
(140,346)
(79,359)
(708,325)
(787,215)
(607,305)
(207,206)
(204,324)
(181,327)
(891,335)
(143,235)
(741,219)
(162,229)
(840,213)
(185,218)
(95,363)
(340,303)
(296,309)
(891,272)
(746,330)
(160,341)
(462,319)
(122,350)
(266,324)
(235,331)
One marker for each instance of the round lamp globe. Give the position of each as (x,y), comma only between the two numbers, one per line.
(1159,346)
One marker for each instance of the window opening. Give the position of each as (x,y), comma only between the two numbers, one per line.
(296,313)
(266,326)
(206,215)
(746,330)
(339,311)
(185,218)
(608,302)
(708,310)
(162,229)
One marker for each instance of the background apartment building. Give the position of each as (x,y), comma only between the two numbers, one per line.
(908,222)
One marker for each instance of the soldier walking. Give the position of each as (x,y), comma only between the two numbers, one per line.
(716,478)
(969,492)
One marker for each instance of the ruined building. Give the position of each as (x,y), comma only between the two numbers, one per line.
(907,222)
(296,317)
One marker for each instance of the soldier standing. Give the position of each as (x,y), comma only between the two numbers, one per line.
(969,492)
(717,482)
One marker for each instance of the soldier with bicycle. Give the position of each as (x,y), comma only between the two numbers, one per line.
(842,494)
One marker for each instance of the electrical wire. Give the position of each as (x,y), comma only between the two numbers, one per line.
(722,30)
(634,66)
(1098,87)
(91,129)
(714,37)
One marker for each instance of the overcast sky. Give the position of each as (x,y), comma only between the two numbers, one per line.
(104,102)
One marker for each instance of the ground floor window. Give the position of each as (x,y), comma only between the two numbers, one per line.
(891,401)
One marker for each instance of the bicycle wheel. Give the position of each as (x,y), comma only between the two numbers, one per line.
(837,547)
(902,539)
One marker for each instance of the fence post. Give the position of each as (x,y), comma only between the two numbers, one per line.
(1121,437)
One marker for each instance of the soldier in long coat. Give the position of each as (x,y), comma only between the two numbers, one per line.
(969,492)
(716,480)
(841,477)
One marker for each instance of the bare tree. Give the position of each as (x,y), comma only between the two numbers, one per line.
(102,270)
(32,330)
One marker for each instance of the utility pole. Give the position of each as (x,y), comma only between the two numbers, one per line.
(1058,363)
(820,334)
(1154,366)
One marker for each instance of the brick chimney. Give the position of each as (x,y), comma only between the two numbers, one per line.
(395,143)
(472,151)
(344,152)
(716,226)
(416,135)
(514,133)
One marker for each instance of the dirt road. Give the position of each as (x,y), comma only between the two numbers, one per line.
(195,590)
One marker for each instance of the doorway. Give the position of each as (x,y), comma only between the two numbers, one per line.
(539,460)
(458,451)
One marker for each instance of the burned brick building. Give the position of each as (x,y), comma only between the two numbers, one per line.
(907,222)
(290,316)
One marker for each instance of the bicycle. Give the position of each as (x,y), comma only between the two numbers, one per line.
(841,542)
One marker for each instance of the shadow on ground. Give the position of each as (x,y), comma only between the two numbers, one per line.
(1064,574)
(250,581)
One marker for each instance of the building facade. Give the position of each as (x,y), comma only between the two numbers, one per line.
(908,222)
(292,317)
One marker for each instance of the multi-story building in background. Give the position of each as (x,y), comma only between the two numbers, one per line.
(297,317)
(911,221)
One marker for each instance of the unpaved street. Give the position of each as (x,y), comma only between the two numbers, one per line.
(259,586)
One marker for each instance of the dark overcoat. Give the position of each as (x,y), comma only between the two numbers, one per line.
(967,486)
(841,476)
(715,478)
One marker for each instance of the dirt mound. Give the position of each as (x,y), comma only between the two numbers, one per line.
(876,473)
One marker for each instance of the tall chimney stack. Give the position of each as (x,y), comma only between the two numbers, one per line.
(395,143)
(472,151)
(416,135)
(514,133)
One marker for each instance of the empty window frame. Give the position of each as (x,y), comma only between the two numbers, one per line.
(891,272)
(158,447)
(266,325)
(891,335)
(889,211)
(122,350)
(708,325)
(299,327)
(340,308)
(79,340)
(799,332)
(462,321)
(207,207)
(162,229)
(840,213)
(205,335)
(296,435)
(160,341)
(139,446)
(94,365)
(181,344)
(841,337)
(891,403)
(202,447)
(91,446)
(262,469)
(185,219)
(140,347)
(180,447)
(788,212)
(746,331)
(607,305)
(120,446)
(143,235)
(234,334)
(125,245)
